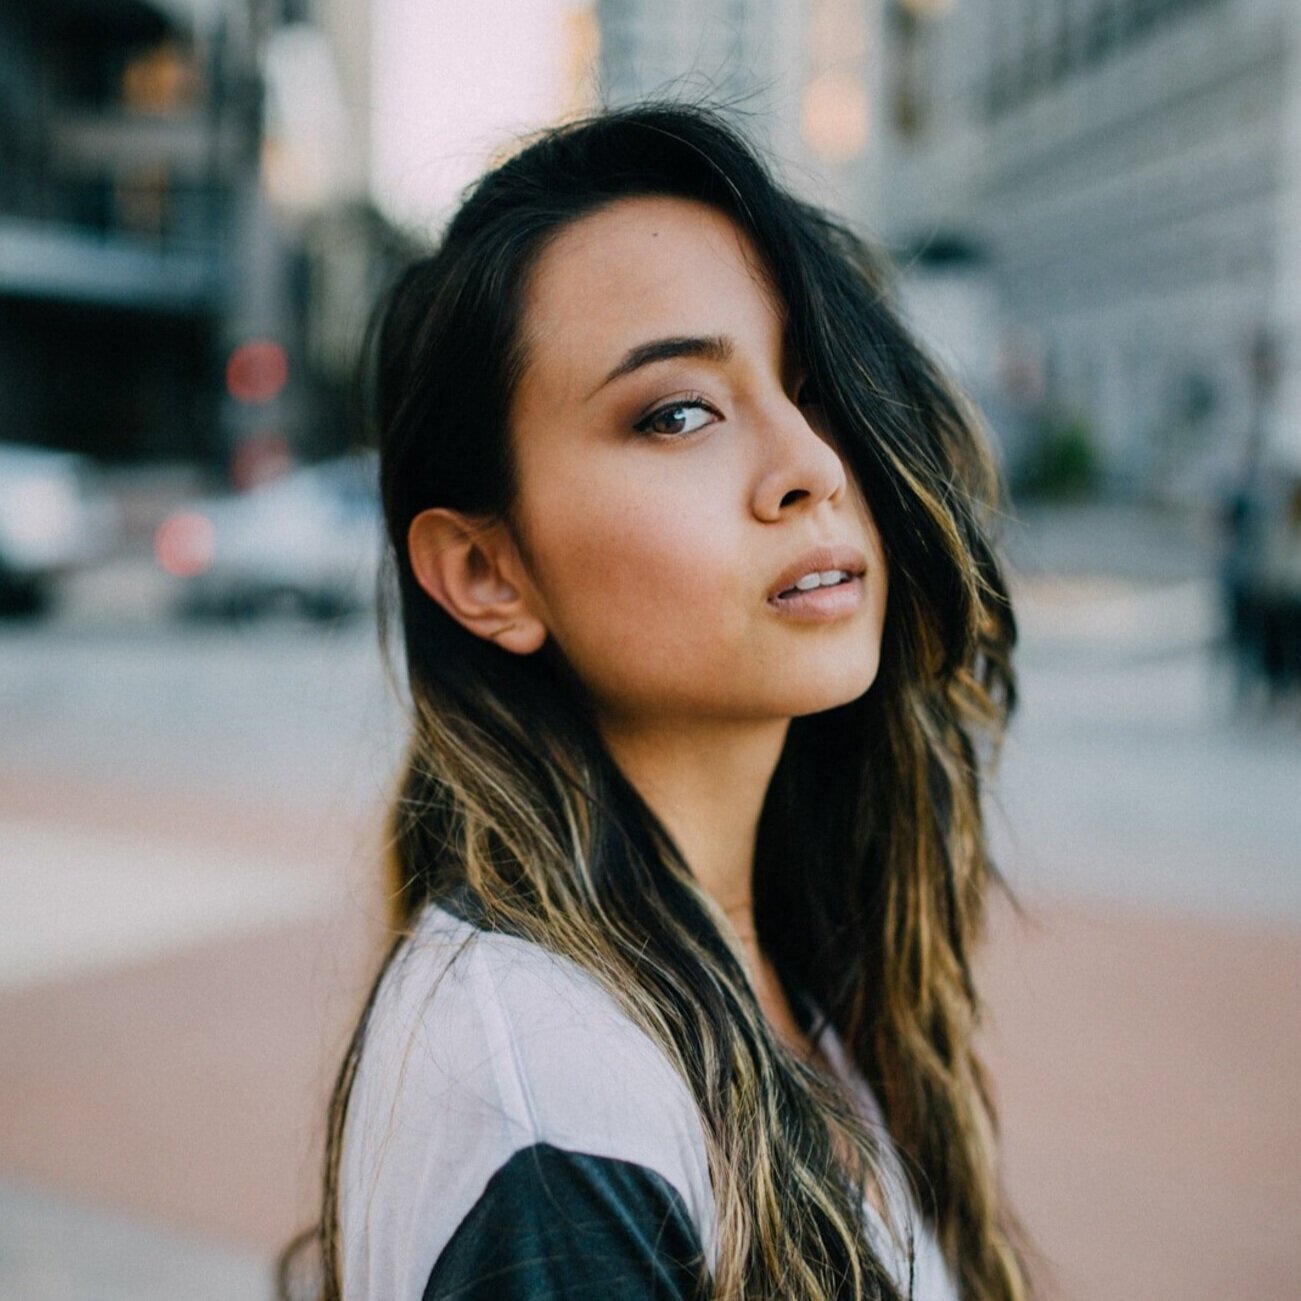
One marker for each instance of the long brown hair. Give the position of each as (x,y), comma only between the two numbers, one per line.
(510,800)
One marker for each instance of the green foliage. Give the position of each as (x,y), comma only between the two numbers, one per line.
(1062,463)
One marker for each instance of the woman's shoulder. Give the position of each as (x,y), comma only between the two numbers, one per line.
(525,1027)
(488,1061)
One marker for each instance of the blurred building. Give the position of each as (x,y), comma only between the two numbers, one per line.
(179,189)
(794,71)
(1125,176)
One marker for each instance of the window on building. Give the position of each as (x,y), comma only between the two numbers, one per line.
(1047,42)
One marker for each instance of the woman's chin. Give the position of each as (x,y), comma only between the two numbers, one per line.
(830,690)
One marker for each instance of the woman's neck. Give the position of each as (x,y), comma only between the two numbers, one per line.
(707,786)
(706,783)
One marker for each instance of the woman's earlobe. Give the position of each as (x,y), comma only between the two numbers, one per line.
(469,566)
(521,636)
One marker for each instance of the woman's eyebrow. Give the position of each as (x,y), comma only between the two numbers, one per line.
(712,347)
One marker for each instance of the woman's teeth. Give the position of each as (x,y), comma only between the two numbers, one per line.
(826,578)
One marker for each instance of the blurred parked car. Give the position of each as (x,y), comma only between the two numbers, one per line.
(55,517)
(309,542)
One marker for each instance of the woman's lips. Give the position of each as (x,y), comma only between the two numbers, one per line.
(821,604)
(845,566)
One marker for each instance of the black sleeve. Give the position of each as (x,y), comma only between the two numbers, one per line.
(559,1224)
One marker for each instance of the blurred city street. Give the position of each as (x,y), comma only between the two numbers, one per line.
(190,821)
(188,826)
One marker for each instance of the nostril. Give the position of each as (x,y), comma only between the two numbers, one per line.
(793,496)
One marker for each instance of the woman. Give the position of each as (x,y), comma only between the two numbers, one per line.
(704,634)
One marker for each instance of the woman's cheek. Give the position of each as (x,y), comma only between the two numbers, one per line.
(640,608)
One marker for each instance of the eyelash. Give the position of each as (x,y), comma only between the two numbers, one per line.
(689,400)
(807,395)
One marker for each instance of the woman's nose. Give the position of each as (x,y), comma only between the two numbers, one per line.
(800,468)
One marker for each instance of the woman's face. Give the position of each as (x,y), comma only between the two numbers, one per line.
(676,493)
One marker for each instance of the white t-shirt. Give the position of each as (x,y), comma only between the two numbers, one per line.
(512,1134)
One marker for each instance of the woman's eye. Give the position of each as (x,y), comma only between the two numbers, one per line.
(677,419)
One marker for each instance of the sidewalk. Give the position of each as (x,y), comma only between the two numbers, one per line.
(1145,1068)
(162,1120)
(53,1249)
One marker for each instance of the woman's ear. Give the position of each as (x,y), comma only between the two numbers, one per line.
(473,569)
